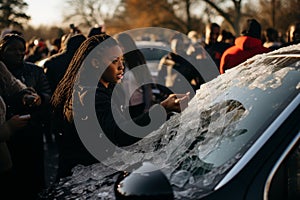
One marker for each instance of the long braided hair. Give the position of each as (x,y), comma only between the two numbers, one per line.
(62,97)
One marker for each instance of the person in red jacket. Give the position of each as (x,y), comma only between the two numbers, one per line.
(246,46)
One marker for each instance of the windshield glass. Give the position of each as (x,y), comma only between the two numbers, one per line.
(197,148)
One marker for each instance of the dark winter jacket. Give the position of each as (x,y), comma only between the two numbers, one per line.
(55,68)
(106,105)
(57,64)
(88,108)
(216,51)
(33,77)
(9,86)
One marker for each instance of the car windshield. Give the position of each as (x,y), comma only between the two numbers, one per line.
(195,149)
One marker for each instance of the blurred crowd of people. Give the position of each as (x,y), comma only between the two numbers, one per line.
(36,103)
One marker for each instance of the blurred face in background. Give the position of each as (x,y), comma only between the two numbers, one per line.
(13,54)
(214,34)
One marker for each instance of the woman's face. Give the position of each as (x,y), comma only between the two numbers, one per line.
(115,70)
(13,54)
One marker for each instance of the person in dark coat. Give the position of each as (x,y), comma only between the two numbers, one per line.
(271,39)
(57,64)
(104,65)
(175,69)
(26,146)
(217,48)
(212,34)
(10,89)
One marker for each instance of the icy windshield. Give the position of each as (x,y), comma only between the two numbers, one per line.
(196,148)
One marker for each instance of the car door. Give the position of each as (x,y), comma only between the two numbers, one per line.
(278,176)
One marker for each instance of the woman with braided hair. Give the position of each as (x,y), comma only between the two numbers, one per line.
(92,76)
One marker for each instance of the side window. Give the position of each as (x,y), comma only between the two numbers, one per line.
(285,184)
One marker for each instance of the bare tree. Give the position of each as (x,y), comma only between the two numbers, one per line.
(266,11)
(12,13)
(280,19)
(232,15)
(88,13)
(173,14)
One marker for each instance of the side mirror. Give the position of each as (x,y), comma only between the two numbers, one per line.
(145,183)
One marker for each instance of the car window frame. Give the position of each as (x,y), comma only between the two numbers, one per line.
(287,152)
(259,143)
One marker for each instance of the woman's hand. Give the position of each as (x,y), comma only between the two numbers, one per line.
(176,102)
(32,100)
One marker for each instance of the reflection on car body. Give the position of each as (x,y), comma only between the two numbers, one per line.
(239,138)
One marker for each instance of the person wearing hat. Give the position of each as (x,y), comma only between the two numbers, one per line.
(245,46)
